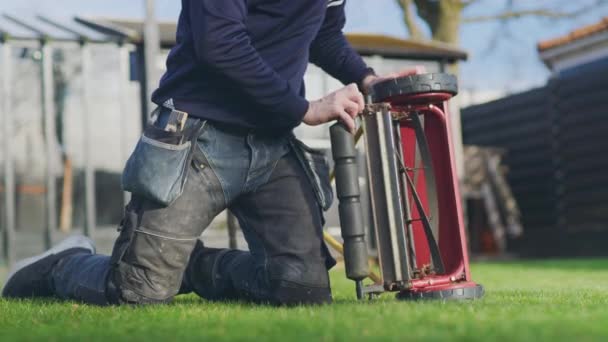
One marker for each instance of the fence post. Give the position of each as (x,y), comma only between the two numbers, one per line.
(151,51)
(233,226)
(9,169)
(48,113)
(89,170)
(123,84)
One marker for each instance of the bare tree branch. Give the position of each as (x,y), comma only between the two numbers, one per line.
(428,11)
(539,12)
(502,31)
(466,3)
(443,18)
(410,19)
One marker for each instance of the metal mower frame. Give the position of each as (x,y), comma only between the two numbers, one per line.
(415,196)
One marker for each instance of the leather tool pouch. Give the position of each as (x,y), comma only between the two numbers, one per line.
(158,167)
(316,166)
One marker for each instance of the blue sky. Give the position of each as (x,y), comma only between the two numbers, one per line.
(511,65)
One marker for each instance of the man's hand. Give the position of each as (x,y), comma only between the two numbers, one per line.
(344,105)
(370,80)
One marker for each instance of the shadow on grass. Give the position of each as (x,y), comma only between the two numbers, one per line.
(583,264)
(194,300)
(183,300)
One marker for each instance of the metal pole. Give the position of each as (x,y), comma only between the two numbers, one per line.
(89,171)
(456,131)
(9,169)
(455,124)
(394,209)
(123,83)
(48,113)
(233,225)
(152,48)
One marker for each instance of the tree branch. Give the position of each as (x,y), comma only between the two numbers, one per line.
(410,19)
(427,10)
(540,12)
(466,3)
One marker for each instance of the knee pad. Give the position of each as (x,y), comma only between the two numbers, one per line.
(147,265)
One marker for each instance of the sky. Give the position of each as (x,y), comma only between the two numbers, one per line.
(511,65)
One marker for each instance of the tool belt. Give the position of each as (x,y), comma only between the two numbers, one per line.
(158,167)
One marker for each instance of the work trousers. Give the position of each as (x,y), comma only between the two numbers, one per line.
(258,178)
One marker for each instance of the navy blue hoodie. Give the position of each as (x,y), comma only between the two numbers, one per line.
(242,62)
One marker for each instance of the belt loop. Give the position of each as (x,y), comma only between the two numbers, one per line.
(154,115)
(169,104)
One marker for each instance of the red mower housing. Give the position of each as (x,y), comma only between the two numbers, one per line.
(418,219)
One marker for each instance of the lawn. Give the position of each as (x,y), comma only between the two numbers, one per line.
(525,301)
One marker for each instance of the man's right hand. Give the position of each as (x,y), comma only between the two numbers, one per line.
(344,105)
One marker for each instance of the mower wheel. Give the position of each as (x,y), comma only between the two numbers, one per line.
(474,292)
(414,84)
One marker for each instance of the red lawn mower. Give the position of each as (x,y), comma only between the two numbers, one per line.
(415,198)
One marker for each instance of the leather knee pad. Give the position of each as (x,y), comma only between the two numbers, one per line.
(147,265)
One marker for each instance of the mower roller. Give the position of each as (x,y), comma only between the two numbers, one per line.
(414,192)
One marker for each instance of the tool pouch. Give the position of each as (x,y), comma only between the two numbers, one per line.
(316,166)
(158,167)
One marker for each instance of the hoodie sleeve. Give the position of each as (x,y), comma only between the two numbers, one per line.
(331,51)
(222,42)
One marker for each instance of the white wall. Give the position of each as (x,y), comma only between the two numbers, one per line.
(106,118)
(105,115)
(470,97)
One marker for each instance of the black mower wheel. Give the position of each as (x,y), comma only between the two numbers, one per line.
(414,84)
(469,293)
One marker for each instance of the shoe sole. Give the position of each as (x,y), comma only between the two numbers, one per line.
(76,241)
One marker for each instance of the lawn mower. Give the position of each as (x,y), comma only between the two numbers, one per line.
(415,199)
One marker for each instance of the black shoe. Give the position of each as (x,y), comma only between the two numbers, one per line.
(32,277)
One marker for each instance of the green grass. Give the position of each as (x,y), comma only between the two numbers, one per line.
(525,301)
